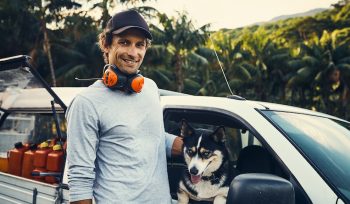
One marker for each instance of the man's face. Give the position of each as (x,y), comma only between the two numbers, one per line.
(127,50)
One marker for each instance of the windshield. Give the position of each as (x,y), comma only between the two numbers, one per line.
(325,142)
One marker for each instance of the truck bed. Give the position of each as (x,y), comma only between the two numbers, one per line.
(16,189)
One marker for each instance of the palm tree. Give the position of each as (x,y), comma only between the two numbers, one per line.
(267,62)
(156,65)
(312,64)
(234,64)
(48,12)
(104,5)
(77,45)
(180,39)
(18,27)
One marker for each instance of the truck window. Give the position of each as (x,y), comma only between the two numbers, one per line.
(16,128)
(22,133)
(237,136)
(29,128)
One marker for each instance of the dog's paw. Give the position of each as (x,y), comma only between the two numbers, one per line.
(182,197)
(219,200)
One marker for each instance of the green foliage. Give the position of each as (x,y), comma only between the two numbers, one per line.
(19,28)
(179,41)
(288,61)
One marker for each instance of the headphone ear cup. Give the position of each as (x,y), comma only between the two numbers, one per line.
(110,78)
(136,83)
(113,78)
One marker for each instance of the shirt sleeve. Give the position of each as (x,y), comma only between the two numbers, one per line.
(169,141)
(169,138)
(82,141)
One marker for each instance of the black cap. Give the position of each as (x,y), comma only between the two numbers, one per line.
(128,19)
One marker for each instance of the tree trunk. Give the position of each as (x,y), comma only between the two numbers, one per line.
(47,46)
(179,74)
(47,49)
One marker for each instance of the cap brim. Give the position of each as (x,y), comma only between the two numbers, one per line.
(120,30)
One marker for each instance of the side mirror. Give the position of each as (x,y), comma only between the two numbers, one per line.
(260,188)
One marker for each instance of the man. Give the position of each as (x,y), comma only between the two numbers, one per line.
(117,145)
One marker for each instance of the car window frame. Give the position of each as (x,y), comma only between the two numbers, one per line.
(301,152)
(249,127)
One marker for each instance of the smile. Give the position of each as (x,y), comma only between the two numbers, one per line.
(128,61)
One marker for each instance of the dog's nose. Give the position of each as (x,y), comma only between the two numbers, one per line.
(194,171)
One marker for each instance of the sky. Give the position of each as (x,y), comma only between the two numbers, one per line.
(235,13)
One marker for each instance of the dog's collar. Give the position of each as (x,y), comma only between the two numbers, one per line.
(211,178)
(214,177)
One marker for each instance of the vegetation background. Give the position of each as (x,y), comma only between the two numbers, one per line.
(288,61)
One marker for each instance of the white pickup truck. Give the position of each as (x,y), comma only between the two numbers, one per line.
(307,150)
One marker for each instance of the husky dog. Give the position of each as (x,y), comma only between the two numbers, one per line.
(207,177)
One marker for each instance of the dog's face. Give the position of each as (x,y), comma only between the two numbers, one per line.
(204,151)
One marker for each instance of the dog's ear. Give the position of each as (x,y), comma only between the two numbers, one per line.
(219,135)
(186,129)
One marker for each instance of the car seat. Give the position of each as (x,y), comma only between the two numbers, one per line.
(255,159)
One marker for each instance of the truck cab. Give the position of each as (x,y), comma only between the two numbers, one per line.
(267,143)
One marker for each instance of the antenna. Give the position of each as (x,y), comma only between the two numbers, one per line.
(217,57)
(88,79)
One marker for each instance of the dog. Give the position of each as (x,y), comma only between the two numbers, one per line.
(207,177)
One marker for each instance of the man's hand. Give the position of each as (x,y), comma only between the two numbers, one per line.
(176,150)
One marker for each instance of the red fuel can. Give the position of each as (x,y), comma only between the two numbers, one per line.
(28,162)
(54,162)
(40,155)
(16,158)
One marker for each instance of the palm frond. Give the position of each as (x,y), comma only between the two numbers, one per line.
(311,61)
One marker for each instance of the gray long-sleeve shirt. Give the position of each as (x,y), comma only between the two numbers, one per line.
(117,146)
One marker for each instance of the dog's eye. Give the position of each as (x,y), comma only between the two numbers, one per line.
(189,151)
(206,154)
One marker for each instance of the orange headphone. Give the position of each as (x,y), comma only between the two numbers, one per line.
(113,78)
